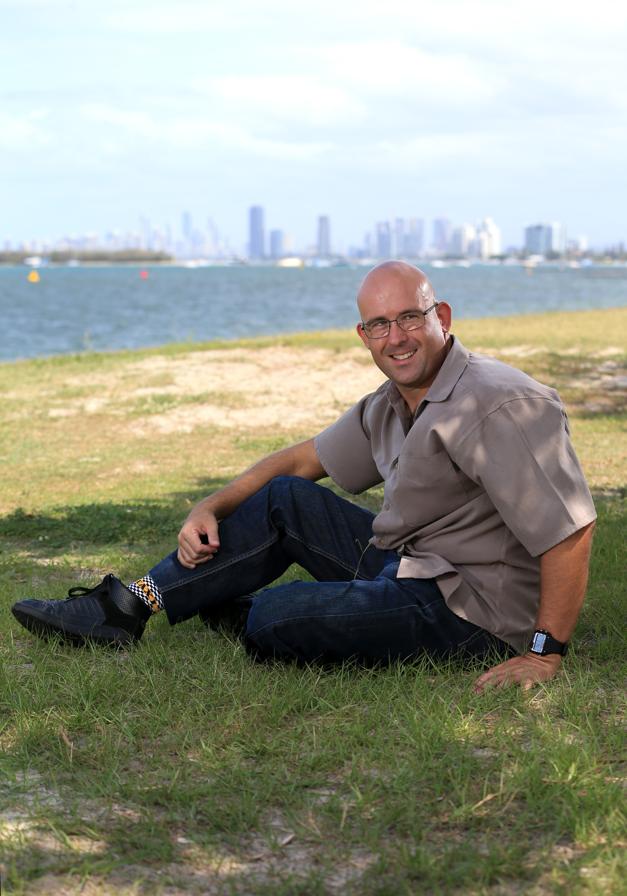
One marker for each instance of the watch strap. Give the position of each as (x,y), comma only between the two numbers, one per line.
(543,643)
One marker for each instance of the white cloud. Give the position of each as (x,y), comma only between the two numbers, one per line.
(24,131)
(383,68)
(298,98)
(491,96)
(193,133)
(168,18)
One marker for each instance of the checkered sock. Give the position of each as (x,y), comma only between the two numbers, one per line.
(148,591)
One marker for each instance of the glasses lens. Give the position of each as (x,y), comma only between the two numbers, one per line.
(378,329)
(411,321)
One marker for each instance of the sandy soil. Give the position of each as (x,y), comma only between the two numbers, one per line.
(271,387)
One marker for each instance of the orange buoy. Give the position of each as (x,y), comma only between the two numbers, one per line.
(143,275)
(33,277)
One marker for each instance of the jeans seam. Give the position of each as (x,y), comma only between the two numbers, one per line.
(214,568)
(316,616)
(322,553)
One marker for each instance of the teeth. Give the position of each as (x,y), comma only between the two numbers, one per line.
(403,357)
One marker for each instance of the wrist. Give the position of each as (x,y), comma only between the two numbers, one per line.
(543,643)
(550,660)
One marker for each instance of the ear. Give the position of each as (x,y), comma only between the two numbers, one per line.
(362,335)
(445,315)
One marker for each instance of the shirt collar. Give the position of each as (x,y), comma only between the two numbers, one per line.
(448,375)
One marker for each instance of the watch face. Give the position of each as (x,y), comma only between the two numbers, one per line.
(539,640)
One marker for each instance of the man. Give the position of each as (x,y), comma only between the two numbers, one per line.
(481,547)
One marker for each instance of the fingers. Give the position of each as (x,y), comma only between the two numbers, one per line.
(525,671)
(493,678)
(193,551)
(198,540)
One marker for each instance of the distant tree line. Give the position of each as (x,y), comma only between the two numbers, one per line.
(93,256)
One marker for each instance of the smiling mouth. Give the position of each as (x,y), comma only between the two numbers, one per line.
(404,356)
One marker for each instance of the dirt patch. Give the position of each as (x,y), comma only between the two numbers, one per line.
(280,853)
(271,387)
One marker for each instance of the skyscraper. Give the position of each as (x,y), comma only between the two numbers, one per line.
(186,226)
(488,239)
(461,240)
(398,248)
(384,239)
(324,236)
(441,234)
(413,241)
(542,239)
(256,235)
(277,244)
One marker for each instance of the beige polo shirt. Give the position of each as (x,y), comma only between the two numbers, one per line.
(478,483)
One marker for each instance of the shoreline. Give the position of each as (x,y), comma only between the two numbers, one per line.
(344,338)
(569,264)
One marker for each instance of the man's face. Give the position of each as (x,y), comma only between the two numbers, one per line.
(410,359)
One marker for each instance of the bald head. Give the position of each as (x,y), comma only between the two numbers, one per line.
(398,277)
(414,347)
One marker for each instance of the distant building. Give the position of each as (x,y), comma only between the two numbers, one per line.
(413,240)
(461,242)
(545,239)
(398,243)
(578,245)
(324,237)
(488,240)
(256,233)
(441,234)
(384,240)
(186,226)
(277,244)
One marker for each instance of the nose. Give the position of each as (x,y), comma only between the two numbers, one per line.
(396,334)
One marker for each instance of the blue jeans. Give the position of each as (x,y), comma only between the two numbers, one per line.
(357,608)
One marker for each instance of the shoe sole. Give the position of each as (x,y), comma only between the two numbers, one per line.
(39,624)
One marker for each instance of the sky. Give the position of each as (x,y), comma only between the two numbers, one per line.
(361,110)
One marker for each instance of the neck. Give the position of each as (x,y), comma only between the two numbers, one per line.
(413,395)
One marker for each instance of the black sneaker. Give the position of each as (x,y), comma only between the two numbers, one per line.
(106,614)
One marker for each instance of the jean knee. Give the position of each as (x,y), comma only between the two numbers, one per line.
(260,625)
(289,487)
(291,496)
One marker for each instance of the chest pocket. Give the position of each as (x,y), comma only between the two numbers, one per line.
(427,488)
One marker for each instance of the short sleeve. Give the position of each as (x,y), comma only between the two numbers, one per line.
(522,455)
(345,451)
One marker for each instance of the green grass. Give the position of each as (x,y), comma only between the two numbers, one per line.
(181,766)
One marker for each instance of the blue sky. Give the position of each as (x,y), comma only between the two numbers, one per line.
(362,110)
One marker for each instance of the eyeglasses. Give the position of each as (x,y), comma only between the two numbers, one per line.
(407,321)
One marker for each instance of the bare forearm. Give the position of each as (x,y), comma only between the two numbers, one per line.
(199,538)
(563,581)
(297,460)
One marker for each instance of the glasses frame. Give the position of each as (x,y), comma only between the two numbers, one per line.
(395,320)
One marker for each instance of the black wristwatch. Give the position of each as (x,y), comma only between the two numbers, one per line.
(543,642)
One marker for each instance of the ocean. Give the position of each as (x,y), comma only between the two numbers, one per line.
(73,309)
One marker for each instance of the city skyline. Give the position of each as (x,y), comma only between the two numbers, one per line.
(398,237)
(205,231)
(349,110)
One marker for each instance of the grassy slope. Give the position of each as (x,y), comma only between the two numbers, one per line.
(180,764)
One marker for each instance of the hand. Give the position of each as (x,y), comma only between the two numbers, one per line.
(524,670)
(198,538)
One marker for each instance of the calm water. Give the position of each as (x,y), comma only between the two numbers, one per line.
(72,309)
